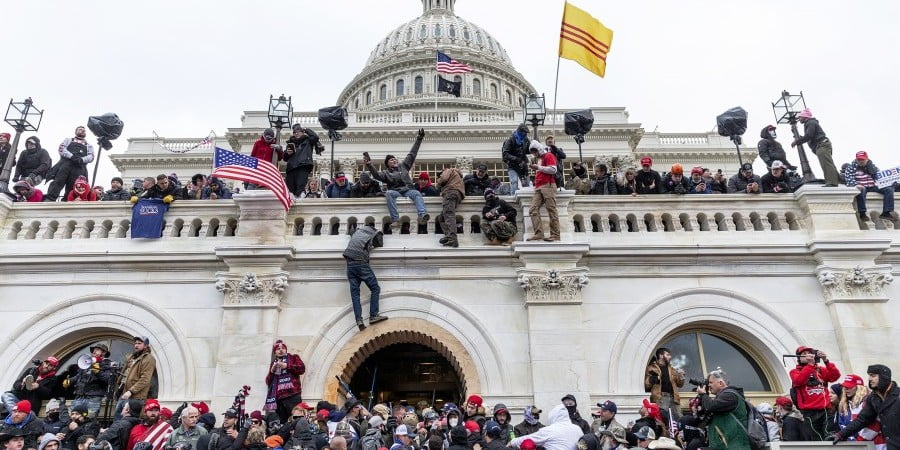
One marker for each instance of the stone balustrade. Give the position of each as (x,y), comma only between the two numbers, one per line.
(813,210)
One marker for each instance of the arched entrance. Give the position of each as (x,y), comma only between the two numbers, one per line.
(412,365)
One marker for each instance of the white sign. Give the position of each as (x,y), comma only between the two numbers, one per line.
(887,177)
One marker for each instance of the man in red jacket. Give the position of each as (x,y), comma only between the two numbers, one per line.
(810,382)
(283,380)
(265,149)
(544,192)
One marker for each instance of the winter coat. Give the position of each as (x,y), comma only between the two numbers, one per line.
(87,196)
(31,426)
(138,370)
(502,209)
(560,155)
(428,191)
(581,186)
(4,152)
(524,428)
(398,179)
(737,184)
(605,185)
(850,172)
(66,155)
(303,150)
(89,384)
(459,438)
(768,182)
(295,367)
(773,431)
(670,186)
(221,193)
(641,423)
(158,192)
(559,434)
(222,441)
(48,387)
(598,426)
(117,434)
(115,196)
(88,428)
(515,155)
(35,161)
(883,407)
(645,179)
(372,440)
(263,150)
(335,190)
(813,134)
(723,430)
(475,185)
(451,180)
(792,427)
(362,241)
(360,191)
(182,435)
(813,397)
(706,184)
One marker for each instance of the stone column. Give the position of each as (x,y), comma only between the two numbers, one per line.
(553,283)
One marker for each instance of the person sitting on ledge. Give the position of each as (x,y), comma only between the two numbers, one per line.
(395,176)
(862,174)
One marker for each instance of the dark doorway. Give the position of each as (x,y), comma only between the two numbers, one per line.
(407,372)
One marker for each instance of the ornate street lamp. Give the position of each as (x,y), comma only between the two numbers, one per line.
(22,116)
(535,111)
(280,113)
(786,110)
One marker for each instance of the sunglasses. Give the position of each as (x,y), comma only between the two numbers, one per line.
(256,422)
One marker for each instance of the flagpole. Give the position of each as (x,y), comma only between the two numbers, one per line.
(555,87)
(437,50)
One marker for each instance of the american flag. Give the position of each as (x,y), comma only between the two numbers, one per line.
(446,64)
(235,166)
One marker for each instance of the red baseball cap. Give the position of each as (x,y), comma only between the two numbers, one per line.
(322,415)
(472,426)
(803,348)
(201,406)
(862,155)
(53,361)
(784,402)
(475,399)
(646,161)
(851,381)
(303,405)
(527,444)
(152,403)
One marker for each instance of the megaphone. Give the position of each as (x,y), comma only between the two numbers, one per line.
(85,361)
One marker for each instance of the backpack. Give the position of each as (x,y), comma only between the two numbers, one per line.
(756,428)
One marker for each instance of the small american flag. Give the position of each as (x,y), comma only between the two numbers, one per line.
(235,166)
(446,64)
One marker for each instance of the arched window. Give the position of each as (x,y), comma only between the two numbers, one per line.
(418,85)
(369,97)
(478,38)
(399,90)
(423,31)
(382,92)
(508,97)
(699,352)
(476,87)
(452,31)
(466,34)
(494,92)
(438,30)
(356,104)
(457,78)
(409,34)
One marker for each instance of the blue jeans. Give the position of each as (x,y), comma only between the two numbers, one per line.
(514,181)
(9,400)
(887,192)
(91,403)
(360,272)
(412,194)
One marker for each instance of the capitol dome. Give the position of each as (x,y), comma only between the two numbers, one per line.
(400,72)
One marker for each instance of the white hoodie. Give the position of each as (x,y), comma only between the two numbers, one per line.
(560,434)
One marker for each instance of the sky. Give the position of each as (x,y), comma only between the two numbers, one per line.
(182,68)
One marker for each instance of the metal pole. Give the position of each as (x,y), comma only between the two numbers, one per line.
(372,389)
(580,158)
(808,176)
(96,164)
(277,141)
(555,87)
(331,168)
(6,174)
(740,160)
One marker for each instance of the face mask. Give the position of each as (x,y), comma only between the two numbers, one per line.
(54,416)
(453,422)
(772,134)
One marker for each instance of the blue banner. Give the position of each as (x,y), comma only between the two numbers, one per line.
(147,218)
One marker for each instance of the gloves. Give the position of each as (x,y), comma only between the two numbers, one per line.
(77,159)
(319,148)
(421,134)
(168,199)
(133,199)
(836,438)
(66,383)
(392,423)
(95,368)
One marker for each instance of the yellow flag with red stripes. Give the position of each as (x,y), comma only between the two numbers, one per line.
(584,39)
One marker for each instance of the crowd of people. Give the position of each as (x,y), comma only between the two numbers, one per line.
(718,415)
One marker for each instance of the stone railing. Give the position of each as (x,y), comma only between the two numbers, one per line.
(814,211)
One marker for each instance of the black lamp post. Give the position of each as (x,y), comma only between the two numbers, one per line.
(22,116)
(535,111)
(280,113)
(786,110)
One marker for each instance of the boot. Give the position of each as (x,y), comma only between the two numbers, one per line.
(376,318)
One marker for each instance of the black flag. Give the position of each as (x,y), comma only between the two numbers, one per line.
(450,87)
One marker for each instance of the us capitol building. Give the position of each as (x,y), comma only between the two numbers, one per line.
(731,281)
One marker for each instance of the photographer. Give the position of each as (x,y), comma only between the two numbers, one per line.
(36,384)
(727,412)
(692,427)
(298,153)
(662,381)
(698,184)
(91,384)
(515,155)
(809,381)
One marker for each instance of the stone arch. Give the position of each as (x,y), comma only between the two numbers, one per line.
(754,323)
(57,325)
(339,344)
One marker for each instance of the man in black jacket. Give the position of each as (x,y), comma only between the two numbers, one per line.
(500,220)
(398,183)
(776,181)
(366,187)
(819,144)
(572,407)
(116,192)
(117,434)
(883,405)
(362,241)
(90,385)
(603,183)
(75,153)
(36,384)
(477,182)
(744,181)
(648,180)
(228,437)
(298,153)
(770,149)
(515,155)
(80,425)
(33,163)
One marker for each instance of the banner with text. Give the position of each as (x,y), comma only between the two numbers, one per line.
(887,177)
(147,218)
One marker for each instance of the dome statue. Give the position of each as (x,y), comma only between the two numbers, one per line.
(400,72)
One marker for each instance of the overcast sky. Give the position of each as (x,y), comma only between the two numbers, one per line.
(185,67)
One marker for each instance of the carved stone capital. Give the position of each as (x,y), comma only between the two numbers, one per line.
(553,286)
(250,290)
(464,164)
(348,166)
(234,142)
(855,284)
(323,166)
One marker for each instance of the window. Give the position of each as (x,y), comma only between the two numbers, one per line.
(457,78)
(369,97)
(452,31)
(508,97)
(356,104)
(423,32)
(418,82)
(699,352)
(399,89)
(494,91)
(409,34)
(382,92)
(466,34)
(438,30)
(476,87)
(478,38)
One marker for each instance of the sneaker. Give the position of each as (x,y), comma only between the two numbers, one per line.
(537,237)
(360,324)
(424,219)
(452,243)
(552,239)
(26,382)
(863,216)
(395,225)
(887,215)
(376,318)
(443,240)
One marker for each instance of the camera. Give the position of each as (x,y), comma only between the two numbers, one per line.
(181,445)
(699,383)
(813,381)
(100,445)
